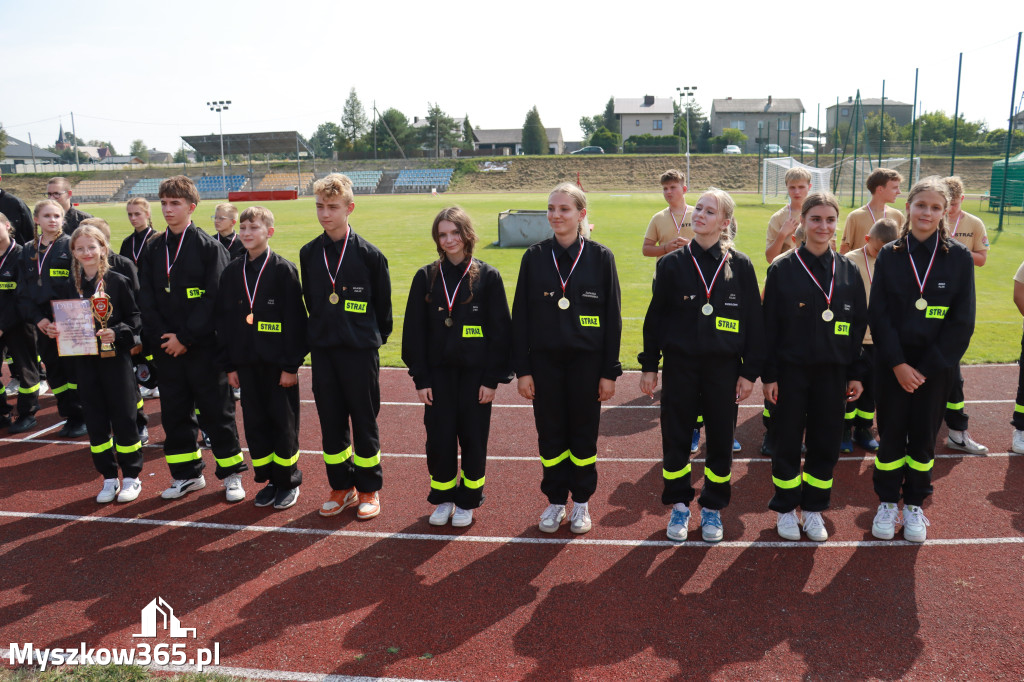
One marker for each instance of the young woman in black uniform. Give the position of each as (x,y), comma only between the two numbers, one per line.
(815,315)
(705,315)
(141,218)
(17,335)
(108,382)
(566,329)
(455,341)
(922,318)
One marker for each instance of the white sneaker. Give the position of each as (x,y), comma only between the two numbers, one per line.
(962,441)
(915,525)
(130,489)
(788,525)
(1018,442)
(43,387)
(12,387)
(580,521)
(886,518)
(443,512)
(814,526)
(462,517)
(145,392)
(552,518)
(233,490)
(183,486)
(111,486)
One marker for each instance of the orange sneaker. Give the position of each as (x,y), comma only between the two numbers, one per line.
(339,501)
(369,506)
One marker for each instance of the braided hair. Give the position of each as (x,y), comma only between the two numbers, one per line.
(93,232)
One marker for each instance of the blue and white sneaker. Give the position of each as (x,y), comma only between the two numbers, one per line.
(678,525)
(711,525)
(695,443)
(736,447)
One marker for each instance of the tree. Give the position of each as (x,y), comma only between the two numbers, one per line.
(535,138)
(699,133)
(606,119)
(325,140)
(71,139)
(139,149)
(467,134)
(100,143)
(396,122)
(441,131)
(181,156)
(3,143)
(606,140)
(871,130)
(353,117)
(729,136)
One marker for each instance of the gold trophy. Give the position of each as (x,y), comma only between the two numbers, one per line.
(101,310)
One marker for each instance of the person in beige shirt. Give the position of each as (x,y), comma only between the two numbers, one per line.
(884,186)
(670,229)
(783,225)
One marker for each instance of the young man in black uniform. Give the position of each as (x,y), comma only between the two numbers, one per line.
(224,218)
(18,215)
(180,273)
(347,288)
(261,336)
(59,189)
(17,335)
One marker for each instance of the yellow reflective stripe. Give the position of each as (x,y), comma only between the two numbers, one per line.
(889,466)
(230,461)
(672,475)
(865,415)
(919,466)
(149,357)
(817,482)
(183,457)
(1018,408)
(444,485)
(366,462)
(791,483)
(766,413)
(474,484)
(338,458)
(286,461)
(852,414)
(60,389)
(955,406)
(262,461)
(134,447)
(700,419)
(103,447)
(582,462)
(557,459)
(715,478)
(73,387)
(138,406)
(30,389)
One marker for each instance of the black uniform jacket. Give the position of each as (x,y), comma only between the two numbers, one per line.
(72,219)
(187,310)
(794,329)
(126,268)
(19,215)
(361,318)
(233,244)
(124,311)
(675,323)
(277,335)
(40,285)
(133,244)
(10,273)
(593,321)
(481,325)
(939,335)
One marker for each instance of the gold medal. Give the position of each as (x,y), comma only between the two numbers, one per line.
(248,318)
(707,309)
(563,303)
(167,288)
(921,304)
(448,322)
(333,298)
(827,314)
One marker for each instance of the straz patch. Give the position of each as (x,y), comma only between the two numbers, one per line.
(590,321)
(8,286)
(842,328)
(355,306)
(724,324)
(936,312)
(472,332)
(195,292)
(268,327)
(58,272)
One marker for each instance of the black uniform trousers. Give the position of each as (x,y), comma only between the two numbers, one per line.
(60,375)
(812,397)
(456,419)
(568,415)
(21,347)
(1018,408)
(110,406)
(190,383)
(907,426)
(698,385)
(346,385)
(270,415)
(956,414)
(861,412)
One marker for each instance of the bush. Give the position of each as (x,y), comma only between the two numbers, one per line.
(606,140)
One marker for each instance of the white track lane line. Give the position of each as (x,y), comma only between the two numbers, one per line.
(655,406)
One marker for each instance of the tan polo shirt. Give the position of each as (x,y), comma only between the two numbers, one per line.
(970,232)
(662,228)
(860,221)
(1019,277)
(775,224)
(866,268)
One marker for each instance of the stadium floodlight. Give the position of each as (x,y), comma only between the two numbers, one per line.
(687,93)
(219,106)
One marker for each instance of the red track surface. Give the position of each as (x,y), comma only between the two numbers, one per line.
(290,591)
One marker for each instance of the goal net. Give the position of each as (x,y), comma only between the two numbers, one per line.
(773,185)
(850,175)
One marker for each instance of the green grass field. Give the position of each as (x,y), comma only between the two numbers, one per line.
(400,226)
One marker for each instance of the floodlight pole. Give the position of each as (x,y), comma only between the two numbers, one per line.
(1005,195)
(956,114)
(687,93)
(881,126)
(219,106)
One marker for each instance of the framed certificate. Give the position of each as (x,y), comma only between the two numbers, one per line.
(74,321)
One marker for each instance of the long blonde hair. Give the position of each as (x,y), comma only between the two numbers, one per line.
(932,183)
(76,267)
(577,196)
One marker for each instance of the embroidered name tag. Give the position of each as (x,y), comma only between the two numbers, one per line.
(471,332)
(268,327)
(58,272)
(8,285)
(355,306)
(842,328)
(936,312)
(195,292)
(590,321)
(724,324)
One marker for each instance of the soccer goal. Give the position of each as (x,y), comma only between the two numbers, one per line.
(850,175)
(773,185)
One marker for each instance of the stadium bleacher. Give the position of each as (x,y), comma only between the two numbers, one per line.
(146,187)
(214,185)
(364,181)
(272,181)
(422,180)
(96,190)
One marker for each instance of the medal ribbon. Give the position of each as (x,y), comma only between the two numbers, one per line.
(39,265)
(9,249)
(245,280)
(234,236)
(170,263)
(867,266)
(957,223)
(136,254)
(707,289)
(831,287)
(451,299)
(337,269)
(679,225)
(558,272)
(920,282)
(873,221)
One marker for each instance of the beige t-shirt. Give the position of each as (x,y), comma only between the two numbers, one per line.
(970,232)
(775,224)
(663,225)
(1019,277)
(860,221)
(866,268)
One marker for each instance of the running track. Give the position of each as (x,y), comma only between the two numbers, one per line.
(289,595)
